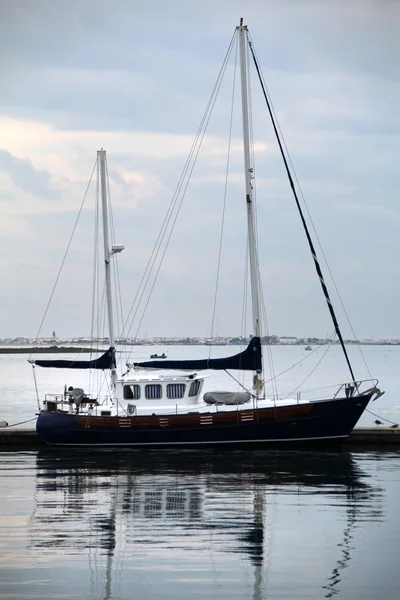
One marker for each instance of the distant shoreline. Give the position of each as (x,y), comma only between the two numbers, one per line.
(85,349)
(47,350)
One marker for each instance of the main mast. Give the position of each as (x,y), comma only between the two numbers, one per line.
(248,175)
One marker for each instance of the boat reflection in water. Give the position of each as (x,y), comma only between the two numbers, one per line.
(140,517)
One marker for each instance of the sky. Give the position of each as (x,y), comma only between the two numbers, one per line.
(135,78)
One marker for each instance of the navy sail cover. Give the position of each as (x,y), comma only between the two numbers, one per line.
(106,361)
(248,360)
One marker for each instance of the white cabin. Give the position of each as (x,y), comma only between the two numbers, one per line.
(140,393)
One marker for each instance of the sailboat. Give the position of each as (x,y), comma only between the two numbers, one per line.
(143,408)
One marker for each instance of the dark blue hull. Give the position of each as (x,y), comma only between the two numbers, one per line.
(316,422)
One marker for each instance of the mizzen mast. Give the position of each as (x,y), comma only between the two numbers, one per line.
(108,252)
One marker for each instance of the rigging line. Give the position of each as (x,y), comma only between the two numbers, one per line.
(95,255)
(379,417)
(314,228)
(247,259)
(65,254)
(171,230)
(36,386)
(117,293)
(98,308)
(95,284)
(240,384)
(225,195)
(269,348)
(112,259)
(310,242)
(303,360)
(309,375)
(336,385)
(254,199)
(95,374)
(102,379)
(251,128)
(156,248)
(115,264)
(273,379)
(154,253)
(99,297)
(21,423)
(261,292)
(254,184)
(190,163)
(174,200)
(95,272)
(245,294)
(190,171)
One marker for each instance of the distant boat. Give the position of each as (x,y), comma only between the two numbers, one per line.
(308,348)
(163,355)
(142,408)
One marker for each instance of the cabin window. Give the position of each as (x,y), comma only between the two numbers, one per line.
(132,392)
(194,387)
(153,391)
(175,390)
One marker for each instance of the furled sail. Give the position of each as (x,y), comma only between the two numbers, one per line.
(106,361)
(248,360)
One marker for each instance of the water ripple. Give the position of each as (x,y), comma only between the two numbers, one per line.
(234,525)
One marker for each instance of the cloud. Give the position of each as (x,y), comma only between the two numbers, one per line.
(80,76)
(23,174)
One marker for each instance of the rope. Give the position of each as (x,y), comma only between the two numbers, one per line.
(239,383)
(189,171)
(273,378)
(244,298)
(175,206)
(309,375)
(306,231)
(379,417)
(263,315)
(36,386)
(95,257)
(65,254)
(300,361)
(96,297)
(313,226)
(21,423)
(224,198)
(115,270)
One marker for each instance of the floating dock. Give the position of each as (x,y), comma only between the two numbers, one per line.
(363,437)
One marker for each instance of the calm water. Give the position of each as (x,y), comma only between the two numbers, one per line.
(143,525)
(148,525)
(314,370)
